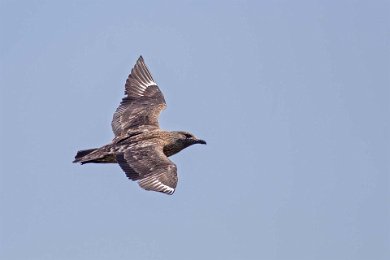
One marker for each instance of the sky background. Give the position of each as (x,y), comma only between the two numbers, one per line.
(291,96)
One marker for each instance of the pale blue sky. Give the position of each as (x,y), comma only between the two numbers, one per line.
(291,96)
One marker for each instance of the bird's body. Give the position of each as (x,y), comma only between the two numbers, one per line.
(106,153)
(140,147)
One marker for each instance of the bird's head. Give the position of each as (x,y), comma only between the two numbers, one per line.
(179,140)
(187,138)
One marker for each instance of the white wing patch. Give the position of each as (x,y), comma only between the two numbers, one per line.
(140,88)
(152,183)
(139,79)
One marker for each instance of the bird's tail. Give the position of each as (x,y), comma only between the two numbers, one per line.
(80,155)
(103,154)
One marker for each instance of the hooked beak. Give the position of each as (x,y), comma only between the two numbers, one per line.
(200,141)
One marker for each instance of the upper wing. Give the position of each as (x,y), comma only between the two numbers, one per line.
(142,104)
(146,163)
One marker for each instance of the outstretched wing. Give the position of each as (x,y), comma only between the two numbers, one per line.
(146,163)
(141,106)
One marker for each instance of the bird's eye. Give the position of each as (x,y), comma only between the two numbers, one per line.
(188,135)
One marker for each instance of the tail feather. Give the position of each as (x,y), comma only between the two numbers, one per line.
(80,154)
(96,155)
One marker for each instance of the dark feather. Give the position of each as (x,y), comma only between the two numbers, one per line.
(82,153)
(142,104)
(148,165)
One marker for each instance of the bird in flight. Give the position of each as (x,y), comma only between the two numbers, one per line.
(140,147)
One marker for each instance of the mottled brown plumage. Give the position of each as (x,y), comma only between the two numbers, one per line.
(140,147)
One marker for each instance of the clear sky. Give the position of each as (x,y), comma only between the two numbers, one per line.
(291,96)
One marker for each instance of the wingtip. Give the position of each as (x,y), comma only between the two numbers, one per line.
(140,58)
